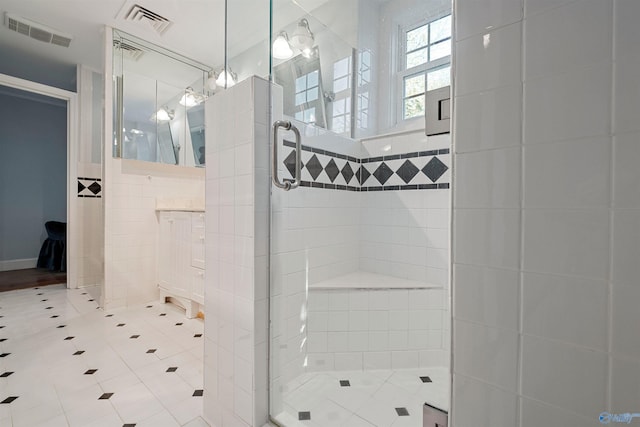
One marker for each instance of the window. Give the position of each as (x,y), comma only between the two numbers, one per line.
(341,105)
(307,92)
(425,63)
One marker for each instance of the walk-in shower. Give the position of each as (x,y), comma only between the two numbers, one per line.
(359,210)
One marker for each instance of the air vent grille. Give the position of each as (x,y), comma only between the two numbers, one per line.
(36,31)
(128,50)
(158,22)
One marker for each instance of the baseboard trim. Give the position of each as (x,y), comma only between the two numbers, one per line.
(18,264)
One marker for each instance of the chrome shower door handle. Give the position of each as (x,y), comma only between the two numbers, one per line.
(286,185)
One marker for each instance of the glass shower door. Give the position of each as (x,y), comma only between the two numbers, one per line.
(359,249)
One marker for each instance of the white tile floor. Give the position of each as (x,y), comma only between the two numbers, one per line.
(59,355)
(371,398)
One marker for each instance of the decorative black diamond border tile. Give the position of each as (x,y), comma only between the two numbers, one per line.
(304,416)
(89,187)
(419,170)
(402,412)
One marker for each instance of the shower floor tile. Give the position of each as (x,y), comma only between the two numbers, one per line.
(68,363)
(377,398)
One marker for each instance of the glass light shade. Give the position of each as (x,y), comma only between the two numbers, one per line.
(302,37)
(281,47)
(191,98)
(163,115)
(226,77)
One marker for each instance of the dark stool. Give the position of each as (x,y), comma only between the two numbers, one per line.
(53,254)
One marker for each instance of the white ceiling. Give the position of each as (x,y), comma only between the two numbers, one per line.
(197,30)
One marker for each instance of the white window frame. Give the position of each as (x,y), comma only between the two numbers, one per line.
(404,73)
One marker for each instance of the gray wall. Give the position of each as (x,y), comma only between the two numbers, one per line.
(33,150)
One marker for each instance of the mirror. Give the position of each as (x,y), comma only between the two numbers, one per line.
(159,103)
(301,81)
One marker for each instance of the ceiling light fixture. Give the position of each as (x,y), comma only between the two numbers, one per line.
(281,47)
(302,38)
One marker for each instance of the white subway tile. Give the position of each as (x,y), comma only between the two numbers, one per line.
(474,17)
(487,237)
(377,360)
(572,242)
(625,384)
(487,61)
(567,38)
(480,404)
(564,308)
(569,105)
(488,179)
(488,119)
(553,372)
(405,359)
(487,295)
(626,341)
(488,354)
(568,180)
(348,361)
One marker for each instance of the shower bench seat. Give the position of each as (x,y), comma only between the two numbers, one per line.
(368,280)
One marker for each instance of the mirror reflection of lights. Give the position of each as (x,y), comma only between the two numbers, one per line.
(281,47)
(191,98)
(164,114)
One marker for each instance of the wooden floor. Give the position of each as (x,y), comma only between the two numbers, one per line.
(29,278)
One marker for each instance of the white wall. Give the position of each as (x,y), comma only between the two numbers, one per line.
(131,224)
(237,246)
(545,212)
(33,167)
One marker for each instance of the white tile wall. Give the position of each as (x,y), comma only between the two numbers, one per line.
(549,289)
(131,224)
(237,227)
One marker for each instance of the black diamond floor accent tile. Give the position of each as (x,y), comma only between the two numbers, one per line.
(119,325)
(44,300)
(109,315)
(172,369)
(332,170)
(39,293)
(105,396)
(48,308)
(383,173)
(133,337)
(60,326)
(78,353)
(347,172)
(2,326)
(84,293)
(345,383)
(9,399)
(3,339)
(152,350)
(434,169)
(54,316)
(90,300)
(179,324)
(198,393)
(290,163)
(162,314)
(407,171)
(304,416)
(91,371)
(425,379)
(197,335)
(149,306)
(5,374)
(314,167)
(69,338)
(128,425)
(402,412)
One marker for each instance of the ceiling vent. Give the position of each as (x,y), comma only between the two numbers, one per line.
(137,13)
(36,31)
(129,51)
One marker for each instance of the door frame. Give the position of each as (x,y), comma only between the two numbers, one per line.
(72,165)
